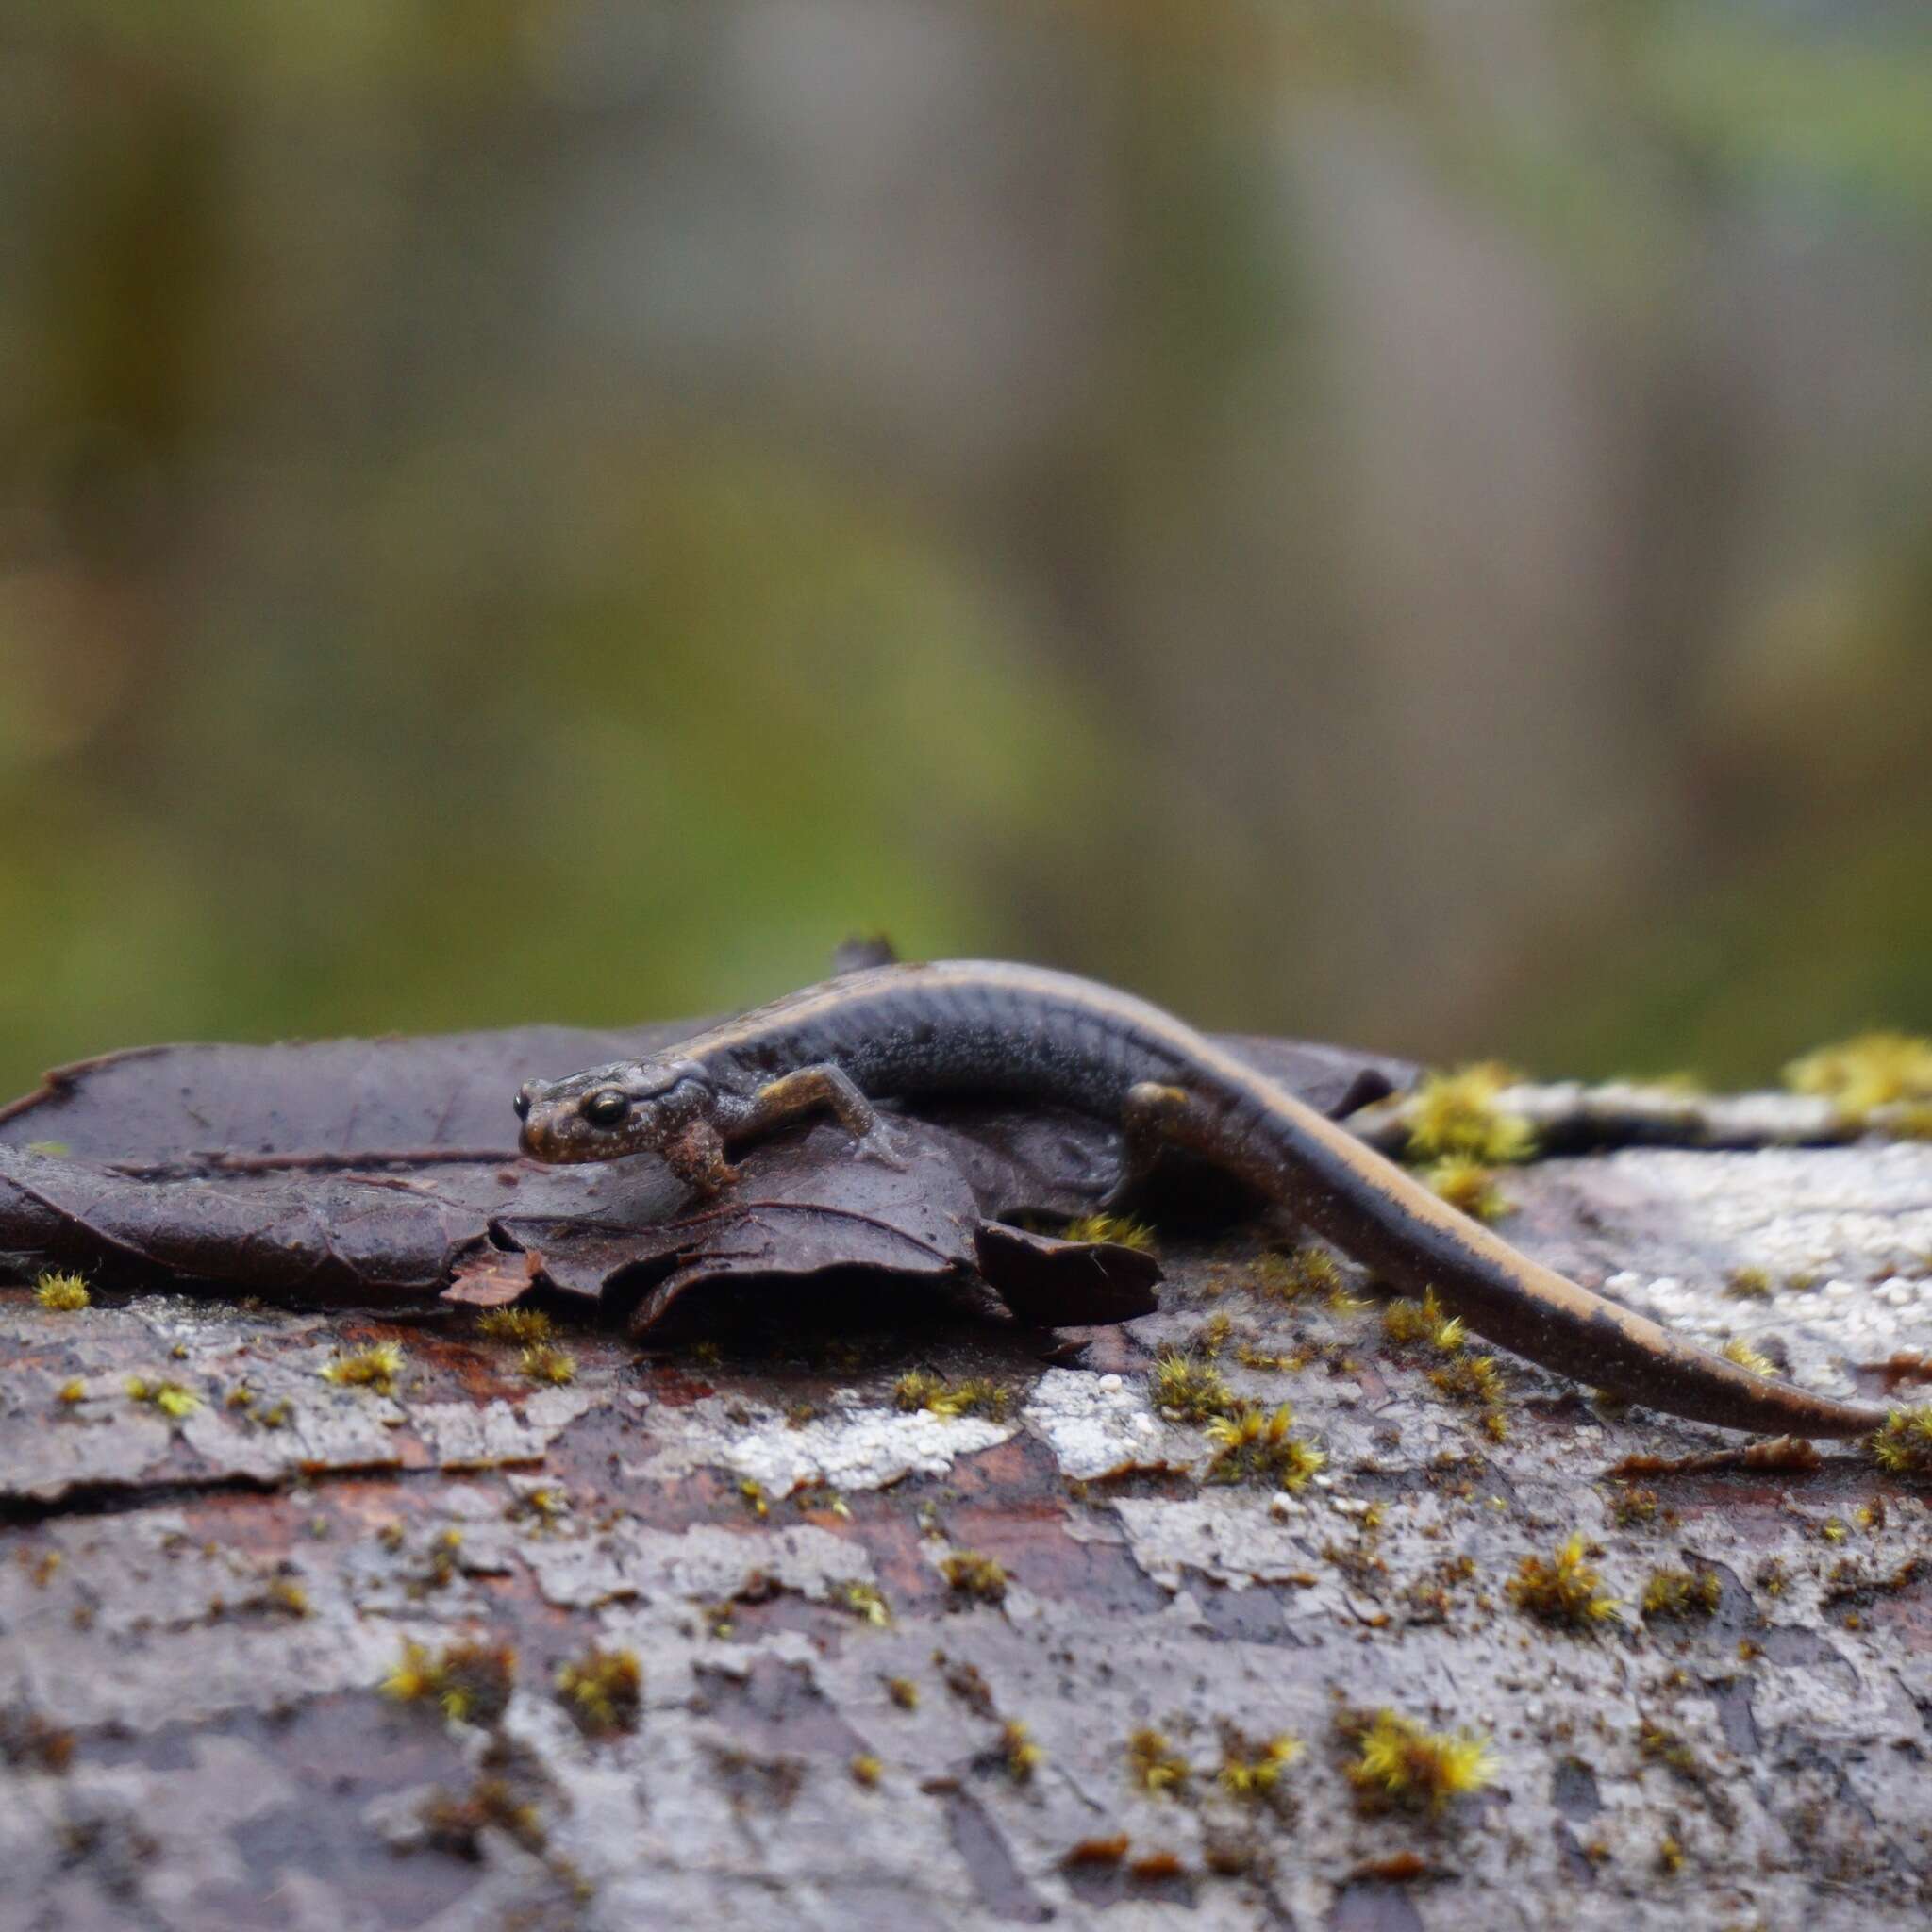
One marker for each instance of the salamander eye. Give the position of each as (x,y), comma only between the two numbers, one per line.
(606,1107)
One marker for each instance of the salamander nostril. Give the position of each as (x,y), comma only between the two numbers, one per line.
(522,1103)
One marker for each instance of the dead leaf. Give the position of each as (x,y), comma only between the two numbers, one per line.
(384,1172)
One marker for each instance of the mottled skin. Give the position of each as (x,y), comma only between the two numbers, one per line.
(972,1027)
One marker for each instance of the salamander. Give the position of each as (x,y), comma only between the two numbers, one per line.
(970,1026)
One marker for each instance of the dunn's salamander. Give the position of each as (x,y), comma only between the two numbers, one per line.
(970,1026)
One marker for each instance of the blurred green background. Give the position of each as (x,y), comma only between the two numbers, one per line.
(1402,520)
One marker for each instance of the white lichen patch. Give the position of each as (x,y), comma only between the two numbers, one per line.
(1232,1536)
(1841,1239)
(311,1435)
(1101,1425)
(470,1435)
(852,1447)
(703,1564)
(144,1624)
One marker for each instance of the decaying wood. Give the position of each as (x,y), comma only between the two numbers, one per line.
(200,1600)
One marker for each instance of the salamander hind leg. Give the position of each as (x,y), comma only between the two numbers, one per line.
(1150,1116)
(833,1089)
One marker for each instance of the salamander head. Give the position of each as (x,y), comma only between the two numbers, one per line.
(629,1108)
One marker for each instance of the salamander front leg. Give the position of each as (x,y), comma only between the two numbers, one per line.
(824,1086)
(697,1158)
(1149,1118)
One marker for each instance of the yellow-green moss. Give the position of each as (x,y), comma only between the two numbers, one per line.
(1475,1379)
(1871,1069)
(1565,1588)
(1189,1391)
(64,1294)
(367,1367)
(288,1597)
(1740,1350)
(1021,1756)
(1682,1593)
(866,1770)
(1250,1770)
(1307,1273)
(1398,1762)
(173,1400)
(456,1824)
(1154,1763)
(863,1600)
(1455,1114)
(467,1681)
(1115,1228)
(1256,1447)
(970,1574)
(1411,1324)
(1469,1186)
(544,1363)
(523,1326)
(1902,1446)
(975,1395)
(1634,1508)
(603,1691)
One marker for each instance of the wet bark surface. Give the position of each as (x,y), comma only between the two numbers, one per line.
(217,1557)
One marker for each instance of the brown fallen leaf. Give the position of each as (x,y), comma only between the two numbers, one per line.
(493,1279)
(384,1172)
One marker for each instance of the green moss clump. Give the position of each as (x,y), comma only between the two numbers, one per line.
(1411,1323)
(367,1367)
(1256,1445)
(970,1574)
(523,1326)
(1456,1115)
(1564,1589)
(1397,1763)
(1307,1273)
(1469,1186)
(1021,1756)
(173,1400)
(542,1362)
(1903,1446)
(975,1395)
(62,1294)
(1153,1762)
(1114,1228)
(863,1600)
(1869,1071)
(1189,1391)
(469,1682)
(603,1691)
(1682,1593)
(1634,1508)
(1252,1771)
